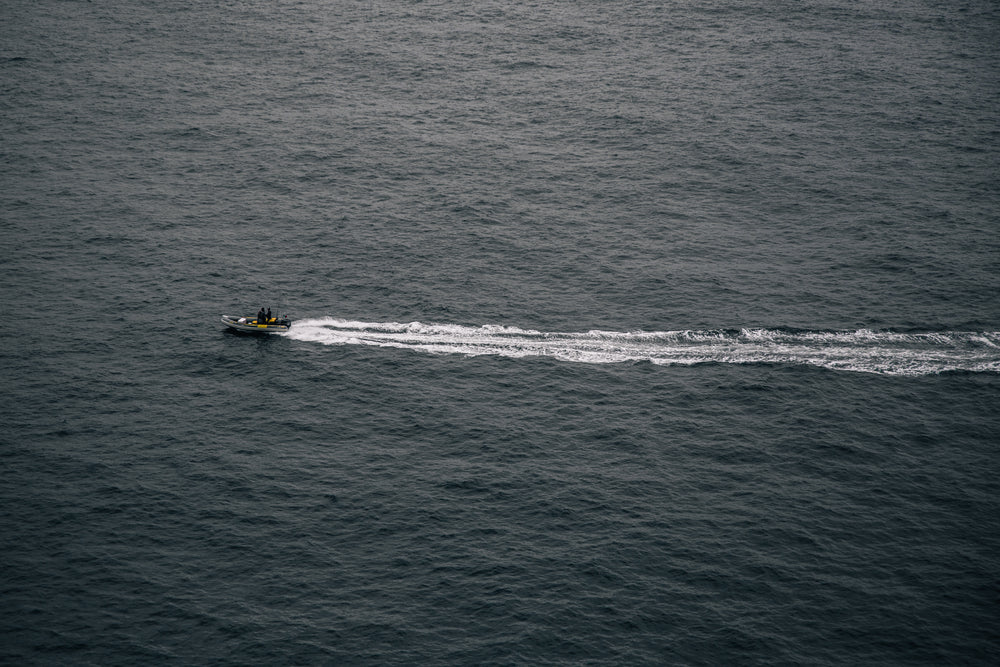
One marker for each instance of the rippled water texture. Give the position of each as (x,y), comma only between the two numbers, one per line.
(625,333)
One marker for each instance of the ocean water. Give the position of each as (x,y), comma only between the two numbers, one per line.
(625,333)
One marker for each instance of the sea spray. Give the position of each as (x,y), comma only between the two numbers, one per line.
(883,352)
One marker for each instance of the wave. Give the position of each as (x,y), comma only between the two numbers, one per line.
(883,352)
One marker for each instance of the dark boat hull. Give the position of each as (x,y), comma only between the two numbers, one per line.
(250,324)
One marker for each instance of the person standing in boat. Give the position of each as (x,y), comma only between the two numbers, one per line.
(268,316)
(260,315)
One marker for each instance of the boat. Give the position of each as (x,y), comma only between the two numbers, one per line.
(249,324)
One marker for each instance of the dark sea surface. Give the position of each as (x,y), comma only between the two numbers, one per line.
(625,333)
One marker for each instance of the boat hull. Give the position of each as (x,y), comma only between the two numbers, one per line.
(250,325)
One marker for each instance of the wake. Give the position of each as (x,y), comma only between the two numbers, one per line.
(888,353)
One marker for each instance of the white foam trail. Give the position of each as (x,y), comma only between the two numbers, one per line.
(866,351)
